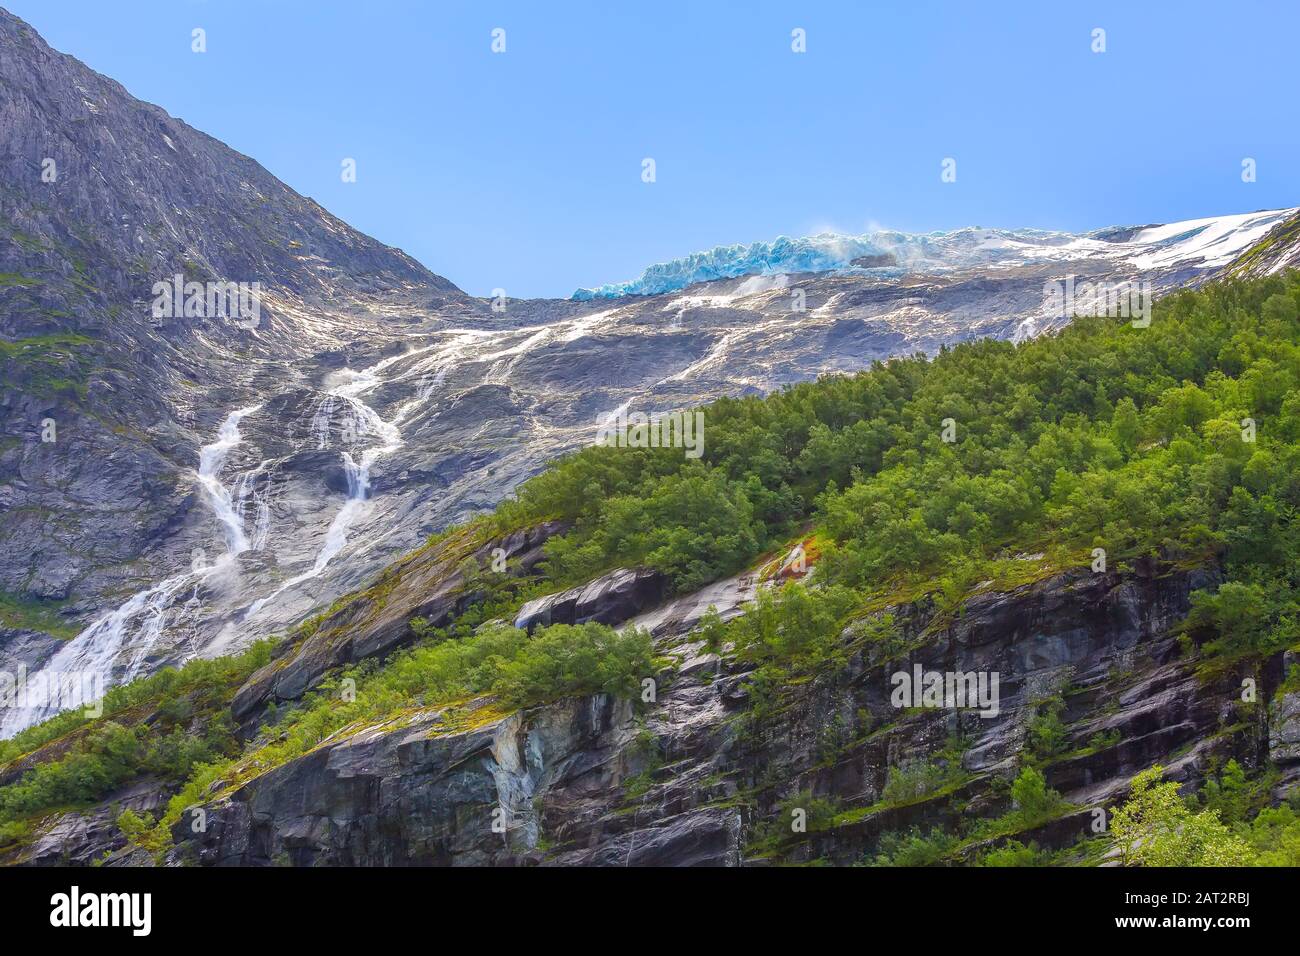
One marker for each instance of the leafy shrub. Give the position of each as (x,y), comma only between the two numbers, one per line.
(1046,736)
(915,779)
(1015,853)
(1155,828)
(1274,835)
(1032,801)
(915,848)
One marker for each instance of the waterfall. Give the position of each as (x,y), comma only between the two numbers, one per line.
(429,385)
(247,489)
(96,654)
(320,422)
(211,458)
(120,645)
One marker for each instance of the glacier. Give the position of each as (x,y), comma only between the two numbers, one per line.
(1201,242)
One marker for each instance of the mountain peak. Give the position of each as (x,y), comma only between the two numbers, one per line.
(95,176)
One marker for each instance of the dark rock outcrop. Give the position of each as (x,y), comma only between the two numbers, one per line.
(1284,728)
(610,599)
(92,837)
(403,793)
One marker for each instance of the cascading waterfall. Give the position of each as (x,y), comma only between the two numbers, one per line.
(118,646)
(366,422)
(95,656)
(211,458)
(320,422)
(262,523)
(430,385)
(250,487)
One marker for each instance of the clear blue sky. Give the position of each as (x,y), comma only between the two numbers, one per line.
(523,170)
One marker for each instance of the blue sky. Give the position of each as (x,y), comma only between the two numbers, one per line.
(523,170)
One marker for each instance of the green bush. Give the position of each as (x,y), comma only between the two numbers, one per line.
(915,779)
(915,848)
(1015,853)
(1156,828)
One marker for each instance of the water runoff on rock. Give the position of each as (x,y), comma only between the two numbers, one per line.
(362,422)
(120,645)
(116,647)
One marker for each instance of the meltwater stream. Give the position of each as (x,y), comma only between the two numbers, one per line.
(115,648)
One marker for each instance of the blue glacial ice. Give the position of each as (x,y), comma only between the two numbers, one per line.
(827,252)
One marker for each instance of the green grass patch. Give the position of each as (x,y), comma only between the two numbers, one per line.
(29,614)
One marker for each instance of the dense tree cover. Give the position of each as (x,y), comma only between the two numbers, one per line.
(1182,438)
(1155,827)
(1229,817)
(693,525)
(110,756)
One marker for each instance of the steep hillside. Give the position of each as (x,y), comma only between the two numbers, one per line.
(174,483)
(1098,525)
(105,402)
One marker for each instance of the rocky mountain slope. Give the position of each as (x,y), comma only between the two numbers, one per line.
(177,486)
(695,778)
(588,781)
(106,404)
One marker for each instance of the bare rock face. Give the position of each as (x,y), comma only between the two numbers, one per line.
(93,837)
(682,614)
(1278,250)
(404,794)
(1284,727)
